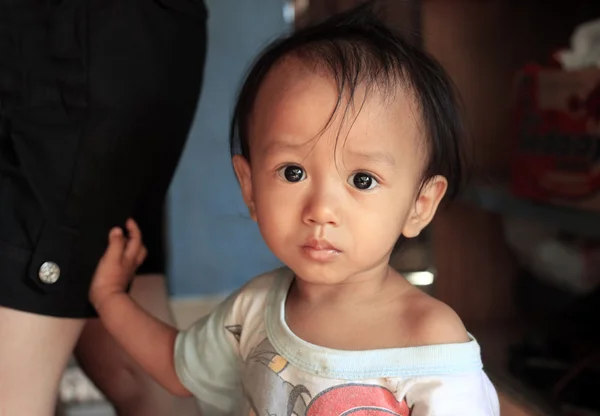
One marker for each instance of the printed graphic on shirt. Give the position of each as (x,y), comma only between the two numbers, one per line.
(270,394)
(235,330)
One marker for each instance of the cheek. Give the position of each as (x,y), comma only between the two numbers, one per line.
(277,222)
(378,222)
(271,196)
(277,207)
(375,234)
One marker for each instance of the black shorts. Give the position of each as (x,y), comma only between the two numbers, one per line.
(96,102)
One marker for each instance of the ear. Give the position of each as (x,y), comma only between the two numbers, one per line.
(244,176)
(425,206)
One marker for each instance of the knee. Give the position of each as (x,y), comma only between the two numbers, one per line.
(123,384)
(117,377)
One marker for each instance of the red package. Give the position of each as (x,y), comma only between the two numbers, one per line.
(556,137)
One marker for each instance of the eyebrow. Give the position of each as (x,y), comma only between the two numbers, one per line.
(376,157)
(281,145)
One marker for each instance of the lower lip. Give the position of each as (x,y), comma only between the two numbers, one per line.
(320,254)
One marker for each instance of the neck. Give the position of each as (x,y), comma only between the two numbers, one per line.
(356,289)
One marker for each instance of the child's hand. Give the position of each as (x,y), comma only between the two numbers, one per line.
(117,267)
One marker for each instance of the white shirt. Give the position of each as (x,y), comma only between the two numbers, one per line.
(244,360)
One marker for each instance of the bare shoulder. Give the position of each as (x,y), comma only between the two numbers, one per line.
(434,322)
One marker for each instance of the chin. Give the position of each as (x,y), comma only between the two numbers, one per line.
(319,273)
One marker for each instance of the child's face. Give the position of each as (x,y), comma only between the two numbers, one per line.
(332,206)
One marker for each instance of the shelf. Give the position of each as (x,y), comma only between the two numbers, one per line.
(499,200)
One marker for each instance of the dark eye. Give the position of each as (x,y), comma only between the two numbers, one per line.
(362,181)
(292,173)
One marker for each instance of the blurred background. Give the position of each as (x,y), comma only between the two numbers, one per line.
(517,256)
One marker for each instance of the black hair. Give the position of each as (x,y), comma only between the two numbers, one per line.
(358,49)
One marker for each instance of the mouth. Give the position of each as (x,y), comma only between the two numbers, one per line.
(320,250)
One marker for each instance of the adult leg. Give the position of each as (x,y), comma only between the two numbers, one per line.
(76,145)
(131,391)
(34,351)
(42,290)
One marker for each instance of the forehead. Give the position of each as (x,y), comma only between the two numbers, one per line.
(296,102)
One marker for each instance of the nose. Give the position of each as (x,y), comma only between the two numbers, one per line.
(323,207)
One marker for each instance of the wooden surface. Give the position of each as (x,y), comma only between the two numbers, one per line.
(482,44)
